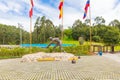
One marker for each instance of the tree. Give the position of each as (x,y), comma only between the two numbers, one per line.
(99,21)
(44,28)
(68,33)
(96,38)
(57,31)
(111,37)
(80,30)
(11,35)
(76,28)
(100,31)
(77,23)
(50,29)
(115,23)
(36,30)
(87,22)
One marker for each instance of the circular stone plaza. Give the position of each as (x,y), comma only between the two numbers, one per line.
(106,67)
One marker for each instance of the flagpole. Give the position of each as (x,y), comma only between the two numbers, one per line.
(62,26)
(30,34)
(61,16)
(90,30)
(30,15)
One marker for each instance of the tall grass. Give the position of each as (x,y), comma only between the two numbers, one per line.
(19,52)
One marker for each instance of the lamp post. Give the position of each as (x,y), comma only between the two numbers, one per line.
(4,30)
(20,26)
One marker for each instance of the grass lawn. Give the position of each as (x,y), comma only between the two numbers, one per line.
(117,48)
(77,42)
(70,42)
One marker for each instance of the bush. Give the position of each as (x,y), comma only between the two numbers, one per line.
(15,52)
(78,50)
(81,40)
(19,52)
(96,38)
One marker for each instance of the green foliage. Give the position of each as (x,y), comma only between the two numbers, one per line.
(19,52)
(57,32)
(16,52)
(37,49)
(78,50)
(96,38)
(70,42)
(80,29)
(43,29)
(115,23)
(81,40)
(77,29)
(68,34)
(111,36)
(11,35)
(99,20)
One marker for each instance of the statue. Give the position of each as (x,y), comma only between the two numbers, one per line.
(57,42)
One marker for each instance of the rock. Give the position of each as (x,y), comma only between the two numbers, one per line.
(78,57)
(73,61)
(41,55)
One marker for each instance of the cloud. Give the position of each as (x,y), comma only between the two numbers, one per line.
(105,9)
(16,11)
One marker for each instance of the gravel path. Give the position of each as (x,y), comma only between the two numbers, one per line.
(87,68)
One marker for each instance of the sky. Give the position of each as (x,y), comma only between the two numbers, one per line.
(13,12)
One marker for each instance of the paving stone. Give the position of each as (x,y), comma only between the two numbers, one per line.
(87,68)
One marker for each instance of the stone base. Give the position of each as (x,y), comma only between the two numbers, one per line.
(41,56)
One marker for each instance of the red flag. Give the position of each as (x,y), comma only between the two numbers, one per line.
(31,9)
(30,12)
(32,3)
(61,8)
(86,8)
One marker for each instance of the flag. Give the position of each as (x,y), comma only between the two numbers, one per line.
(31,12)
(86,8)
(61,8)
(31,9)
(32,3)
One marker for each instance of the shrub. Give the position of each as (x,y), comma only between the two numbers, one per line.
(81,40)
(96,38)
(19,52)
(78,50)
